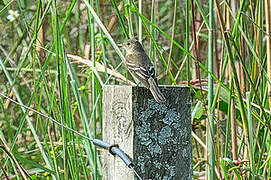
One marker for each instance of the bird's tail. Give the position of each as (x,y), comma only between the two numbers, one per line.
(158,96)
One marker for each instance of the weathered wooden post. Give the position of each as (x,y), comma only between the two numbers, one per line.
(156,135)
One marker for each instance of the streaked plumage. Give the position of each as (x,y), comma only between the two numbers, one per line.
(138,62)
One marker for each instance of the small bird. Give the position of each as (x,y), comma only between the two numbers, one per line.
(141,66)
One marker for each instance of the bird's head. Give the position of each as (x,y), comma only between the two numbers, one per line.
(131,46)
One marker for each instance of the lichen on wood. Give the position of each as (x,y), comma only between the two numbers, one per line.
(162,134)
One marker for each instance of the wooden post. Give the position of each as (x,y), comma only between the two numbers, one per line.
(156,135)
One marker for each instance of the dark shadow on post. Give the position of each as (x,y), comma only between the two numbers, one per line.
(162,134)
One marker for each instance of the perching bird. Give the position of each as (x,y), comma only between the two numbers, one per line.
(141,66)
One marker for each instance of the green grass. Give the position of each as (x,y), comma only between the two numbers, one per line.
(41,66)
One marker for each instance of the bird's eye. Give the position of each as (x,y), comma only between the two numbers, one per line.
(128,44)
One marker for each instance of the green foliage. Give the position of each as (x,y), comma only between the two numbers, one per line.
(56,56)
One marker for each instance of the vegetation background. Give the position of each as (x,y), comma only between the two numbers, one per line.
(55,57)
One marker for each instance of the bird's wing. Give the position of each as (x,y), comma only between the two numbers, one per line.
(142,71)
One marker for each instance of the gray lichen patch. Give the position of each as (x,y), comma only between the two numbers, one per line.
(162,137)
(144,133)
(165,135)
(154,149)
